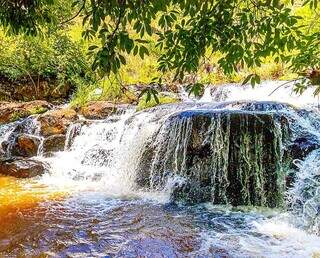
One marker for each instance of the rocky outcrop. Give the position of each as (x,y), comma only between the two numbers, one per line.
(22,168)
(56,121)
(222,156)
(25,145)
(98,109)
(12,111)
(54,143)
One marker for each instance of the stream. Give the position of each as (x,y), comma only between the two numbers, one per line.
(90,203)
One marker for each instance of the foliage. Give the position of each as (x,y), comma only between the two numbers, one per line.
(242,32)
(55,57)
(183,35)
(143,103)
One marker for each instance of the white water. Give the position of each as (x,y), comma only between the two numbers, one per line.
(116,143)
(267,91)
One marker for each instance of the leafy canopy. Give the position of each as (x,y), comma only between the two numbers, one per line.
(243,31)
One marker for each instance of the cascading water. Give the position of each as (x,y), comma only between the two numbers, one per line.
(124,174)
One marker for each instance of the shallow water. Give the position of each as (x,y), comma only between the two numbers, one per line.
(93,224)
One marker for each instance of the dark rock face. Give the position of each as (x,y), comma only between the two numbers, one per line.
(225,156)
(303,145)
(54,143)
(21,168)
(25,145)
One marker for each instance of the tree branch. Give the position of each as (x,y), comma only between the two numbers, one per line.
(76,15)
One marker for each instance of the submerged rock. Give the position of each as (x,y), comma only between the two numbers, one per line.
(227,157)
(57,121)
(98,109)
(22,168)
(256,105)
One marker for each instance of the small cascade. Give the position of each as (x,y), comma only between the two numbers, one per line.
(304,196)
(9,133)
(102,154)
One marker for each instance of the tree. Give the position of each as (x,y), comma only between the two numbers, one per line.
(243,31)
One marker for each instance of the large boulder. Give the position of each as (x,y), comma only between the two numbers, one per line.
(54,143)
(98,109)
(12,111)
(25,145)
(57,121)
(223,156)
(22,168)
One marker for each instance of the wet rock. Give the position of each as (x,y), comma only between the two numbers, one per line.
(73,131)
(57,121)
(26,127)
(25,145)
(22,168)
(12,111)
(54,143)
(98,110)
(2,153)
(226,156)
(303,145)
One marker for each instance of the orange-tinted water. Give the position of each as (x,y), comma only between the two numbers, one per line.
(17,195)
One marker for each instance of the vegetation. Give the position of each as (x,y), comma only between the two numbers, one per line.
(159,42)
(52,57)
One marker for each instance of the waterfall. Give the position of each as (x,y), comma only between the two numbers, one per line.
(224,157)
(102,154)
(235,152)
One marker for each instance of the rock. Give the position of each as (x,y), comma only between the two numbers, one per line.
(22,168)
(26,126)
(73,131)
(57,121)
(54,143)
(25,145)
(225,156)
(12,111)
(98,110)
(303,145)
